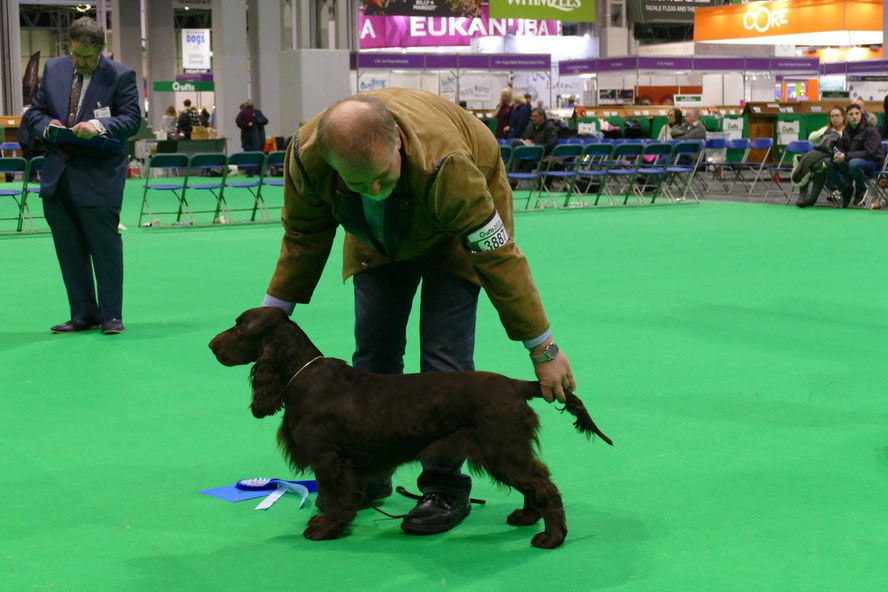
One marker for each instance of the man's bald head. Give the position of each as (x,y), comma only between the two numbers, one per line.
(354,128)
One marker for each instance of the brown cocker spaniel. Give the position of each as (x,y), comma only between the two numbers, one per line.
(349,426)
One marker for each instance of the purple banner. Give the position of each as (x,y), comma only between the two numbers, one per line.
(668,64)
(201,77)
(617,64)
(391,61)
(473,61)
(758,64)
(437,61)
(521,62)
(575,67)
(795,64)
(868,67)
(420,31)
(719,64)
(834,68)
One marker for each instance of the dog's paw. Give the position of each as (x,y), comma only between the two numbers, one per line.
(522,517)
(547,540)
(319,529)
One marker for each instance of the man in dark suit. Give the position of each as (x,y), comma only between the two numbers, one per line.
(82,188)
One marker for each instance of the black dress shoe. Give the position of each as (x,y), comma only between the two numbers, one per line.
(112,326)
(75,325)
(376,490)
(435,513)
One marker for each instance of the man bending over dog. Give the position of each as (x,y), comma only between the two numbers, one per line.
(419,185)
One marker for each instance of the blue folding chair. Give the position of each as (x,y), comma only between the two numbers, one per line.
(13,165)
(198,180)
(784,167)
(654,159)
(524,165)
(505,153)
(251,161)
(736,154)
(621,172)
(166,164)
(276,160)
(686,156)
(35,166)
(561,166)
(594,162)
(756,166)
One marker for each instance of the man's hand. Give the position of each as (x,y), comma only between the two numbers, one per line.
(839,156)
(56,123)
(555,375)
(85,129)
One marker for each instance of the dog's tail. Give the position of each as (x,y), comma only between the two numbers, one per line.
(574,406)
(583,423)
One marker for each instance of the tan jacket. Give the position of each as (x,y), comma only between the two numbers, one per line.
(452,180)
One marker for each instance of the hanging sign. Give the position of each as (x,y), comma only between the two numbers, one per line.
(556,10)
(196,49)
(422,8)
(176,86)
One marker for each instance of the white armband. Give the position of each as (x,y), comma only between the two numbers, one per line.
(489,236)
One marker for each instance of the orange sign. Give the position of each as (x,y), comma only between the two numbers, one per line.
(785,17)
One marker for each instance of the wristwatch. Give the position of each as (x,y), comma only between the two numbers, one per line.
(550,353)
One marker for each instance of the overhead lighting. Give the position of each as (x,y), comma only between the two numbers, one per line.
(83,7)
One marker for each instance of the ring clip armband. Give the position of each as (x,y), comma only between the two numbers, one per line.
(487,237)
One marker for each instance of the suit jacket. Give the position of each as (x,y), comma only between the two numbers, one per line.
(96,178)
(453,182)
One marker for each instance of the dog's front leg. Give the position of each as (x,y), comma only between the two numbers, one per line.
(341,494)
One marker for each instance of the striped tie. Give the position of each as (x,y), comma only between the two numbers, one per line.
(75,99)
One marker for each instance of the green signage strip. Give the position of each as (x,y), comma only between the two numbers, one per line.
(175,86)
(544,10)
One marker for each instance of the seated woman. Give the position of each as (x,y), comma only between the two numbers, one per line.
(673,121)
(810,173)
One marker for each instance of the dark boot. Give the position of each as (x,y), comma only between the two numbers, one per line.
(847,192)
(804,201)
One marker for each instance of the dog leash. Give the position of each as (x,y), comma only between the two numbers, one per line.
(413,496)
(300,370)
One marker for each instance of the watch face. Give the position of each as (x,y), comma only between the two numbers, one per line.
(552,351)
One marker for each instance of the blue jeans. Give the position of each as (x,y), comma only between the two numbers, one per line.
(448,309)
(845,175)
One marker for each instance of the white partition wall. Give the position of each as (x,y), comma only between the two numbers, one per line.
(311,79)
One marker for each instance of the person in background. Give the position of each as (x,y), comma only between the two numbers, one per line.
(810,173)
(540,132)
(528,100)
(357,165)
(691,129)
(188,118)
(204,117)
(540,104)
(870,118)
(885,119)
(674,121)
(168,122)
(502,113)
(519,118)
(251,122)
(857,154)
(82,187)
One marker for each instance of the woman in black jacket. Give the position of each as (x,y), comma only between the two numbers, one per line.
(858,154)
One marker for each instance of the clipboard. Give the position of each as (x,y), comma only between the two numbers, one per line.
(64,136)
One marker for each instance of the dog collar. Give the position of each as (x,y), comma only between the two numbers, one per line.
(300,370)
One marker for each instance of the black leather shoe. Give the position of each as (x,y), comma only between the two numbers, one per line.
(376,490)
(112,326)
(435,513)
(846,197)
(75,325)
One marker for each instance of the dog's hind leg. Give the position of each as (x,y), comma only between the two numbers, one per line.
(541,497)
(341,491)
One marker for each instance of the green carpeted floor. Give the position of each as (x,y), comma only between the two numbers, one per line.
(736,354)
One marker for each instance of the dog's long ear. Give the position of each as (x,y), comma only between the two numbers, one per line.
(257,321)
(268,383)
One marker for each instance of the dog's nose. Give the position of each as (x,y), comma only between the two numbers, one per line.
(212,345)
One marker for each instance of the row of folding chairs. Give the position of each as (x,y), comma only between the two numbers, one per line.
(184,178)
(643,171)
(18,193)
